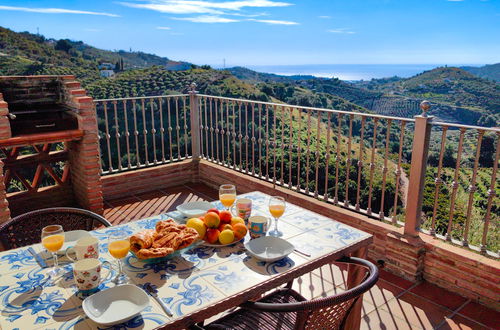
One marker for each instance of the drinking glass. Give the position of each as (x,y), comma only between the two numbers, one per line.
(276,208)
(227,195)
(53,240)
(118,247)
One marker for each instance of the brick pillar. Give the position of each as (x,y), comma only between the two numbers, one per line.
(84,156)
(4,204)
(5,132)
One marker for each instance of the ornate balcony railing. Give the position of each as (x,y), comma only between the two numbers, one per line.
(143,131)
(434,177)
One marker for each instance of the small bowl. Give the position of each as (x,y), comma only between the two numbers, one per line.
(194,209)
(115,305)
(269,248)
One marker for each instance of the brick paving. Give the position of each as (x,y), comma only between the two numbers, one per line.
(394,303)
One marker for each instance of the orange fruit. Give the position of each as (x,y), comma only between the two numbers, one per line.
(212,220)
(240,230)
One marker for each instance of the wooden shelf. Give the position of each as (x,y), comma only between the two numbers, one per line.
(41,138)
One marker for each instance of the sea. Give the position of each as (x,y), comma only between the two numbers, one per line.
(350,72)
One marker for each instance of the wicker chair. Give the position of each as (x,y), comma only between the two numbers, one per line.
(287,309)
(26,229)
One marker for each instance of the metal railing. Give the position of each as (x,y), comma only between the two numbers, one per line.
(143,131)
(390,168)
(286,145)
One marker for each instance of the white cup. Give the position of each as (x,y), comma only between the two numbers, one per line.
(87,274)
(85,247)
(243,208)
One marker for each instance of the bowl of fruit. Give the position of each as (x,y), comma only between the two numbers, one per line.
(218,228)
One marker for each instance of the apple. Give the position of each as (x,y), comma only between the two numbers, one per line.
(213,210)
(225,216)
(212,235)
(236,220)
(223,226)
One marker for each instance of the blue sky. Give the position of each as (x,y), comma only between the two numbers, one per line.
(273,32)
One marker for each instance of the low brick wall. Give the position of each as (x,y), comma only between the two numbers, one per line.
(147,179)
(52,196)
(415,258)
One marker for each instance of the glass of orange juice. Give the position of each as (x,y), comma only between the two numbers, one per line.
(276,208)
(227,195)
(118,247)
(53,240)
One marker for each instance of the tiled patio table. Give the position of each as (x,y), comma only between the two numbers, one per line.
(196,285)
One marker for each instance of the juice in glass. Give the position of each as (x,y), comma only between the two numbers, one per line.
(119,249)
(277,210)
(53,243)
(227,199)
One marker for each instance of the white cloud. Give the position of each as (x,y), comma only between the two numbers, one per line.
(173,8)
(56,11)
(163,28)
(274,22)
(324,17)
(202,6)
(341,31)
(206,19)
(206,11)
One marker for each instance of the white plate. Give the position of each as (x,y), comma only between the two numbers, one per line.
(115,305)
(205,243)
(269,248)
(194,209)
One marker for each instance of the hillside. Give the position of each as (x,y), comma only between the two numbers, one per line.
(491,71)
(457,96)
(453,86)
(475,100)
(26,53)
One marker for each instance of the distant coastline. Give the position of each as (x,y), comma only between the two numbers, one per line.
(348,71)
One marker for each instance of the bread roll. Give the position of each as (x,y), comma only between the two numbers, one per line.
(142,240)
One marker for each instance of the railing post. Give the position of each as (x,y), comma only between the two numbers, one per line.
(421,137)
(195,122)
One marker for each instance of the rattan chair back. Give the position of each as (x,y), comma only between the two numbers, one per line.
(26,229)
(324,313)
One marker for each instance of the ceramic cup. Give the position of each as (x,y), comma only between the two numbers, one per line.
(85,247)
(258,225)
(87,274)
(242,208)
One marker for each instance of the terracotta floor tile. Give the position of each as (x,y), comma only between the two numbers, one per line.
(151,195)
(394,279)
(438,295)
(459,322)
(381,319)
(124,201)
(333,274)
(381,293)
(312,286)
(209,193)
(481,314)
(417,311)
